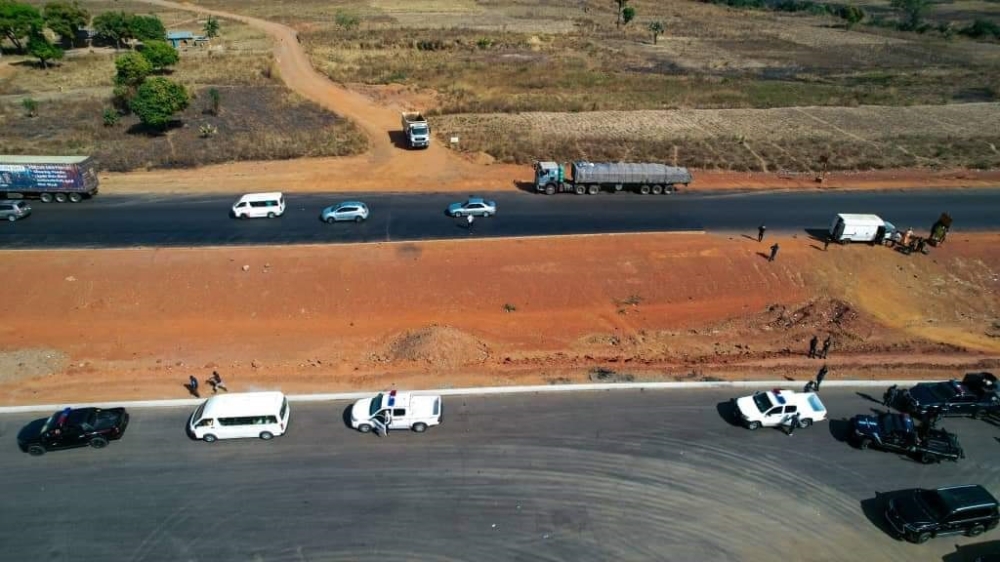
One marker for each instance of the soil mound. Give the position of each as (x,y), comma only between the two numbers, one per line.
(440,346)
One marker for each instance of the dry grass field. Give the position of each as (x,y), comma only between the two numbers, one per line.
(260,119)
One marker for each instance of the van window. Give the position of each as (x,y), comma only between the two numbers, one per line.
(248,420)
(241,205)
(258,203)
(207,422)
(399,412)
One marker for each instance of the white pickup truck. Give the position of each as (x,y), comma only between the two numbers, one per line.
(775,407)
(396,410)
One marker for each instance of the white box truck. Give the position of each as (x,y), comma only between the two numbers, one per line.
(847,228)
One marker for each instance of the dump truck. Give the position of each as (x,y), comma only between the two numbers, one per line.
(415,129)
(49,178)
(593,178)
(939,230)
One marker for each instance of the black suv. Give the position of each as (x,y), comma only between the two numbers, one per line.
(898,433)
(918,514)
(976,396)
(73,428)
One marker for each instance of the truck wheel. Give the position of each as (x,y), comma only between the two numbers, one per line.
(926,458)
(753,426)
(266,435)
(98,442)
(975,531)
(46,197)
(60,197)
(365,428)
(594,189)
(550,189)
(922,538)
(75,198)
(619,187)
(580,190)
(979,414)
(669,188)
(644,190)
(864,444)
(805,422)
(209,438)
(36,450)
(657,189)
(420,427)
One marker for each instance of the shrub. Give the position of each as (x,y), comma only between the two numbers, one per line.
(214,100)
(346,20)
(981,28)
(110,116)
(30,106)
(160,54)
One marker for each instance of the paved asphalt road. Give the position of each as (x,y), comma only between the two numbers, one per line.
(110,220)
(603,476)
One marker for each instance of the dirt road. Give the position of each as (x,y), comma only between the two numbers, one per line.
(120,324)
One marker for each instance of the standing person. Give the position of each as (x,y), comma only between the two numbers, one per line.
(193,386)
(774,251)
(826,242)
(469,220)
(812,346)
(826,346)
(820,376)
(760,233)
(889,398)
(792,423)
(216,381)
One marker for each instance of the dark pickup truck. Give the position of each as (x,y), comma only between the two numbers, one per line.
(975,396)
(897,433)
(70,428)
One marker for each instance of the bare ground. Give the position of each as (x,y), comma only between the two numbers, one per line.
(136,323)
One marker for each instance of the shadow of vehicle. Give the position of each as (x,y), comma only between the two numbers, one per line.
(29,431)
(527,187)
(874,510)
(727,411)
(988,551)
(347,417)
(841,430)
(817,234)
(398,140)
(868,397)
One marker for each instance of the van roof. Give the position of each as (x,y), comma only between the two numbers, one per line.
(266,195)
(238,403)
(860,218)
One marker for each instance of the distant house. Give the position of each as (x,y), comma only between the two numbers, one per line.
(184,38)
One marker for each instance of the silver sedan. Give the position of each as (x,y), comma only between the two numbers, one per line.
(347,211)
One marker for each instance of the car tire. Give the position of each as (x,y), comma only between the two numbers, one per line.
(753,426)
(979,414)
(420,427)
(46,197)
(36,450)
(330,220)
(242,217)
(358,219)
(922,538)
(865,444)
(926,458)
(457,214)
(75,198)
(975,531)
(365,428)
(98,442)
(550,190)
(487,215)
(805,422)
(11,218)
(266,435)
(270,215)
(209,438)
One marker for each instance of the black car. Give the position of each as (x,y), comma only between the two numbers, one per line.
(69,428)
(918,515)
(898,433)
(976,396)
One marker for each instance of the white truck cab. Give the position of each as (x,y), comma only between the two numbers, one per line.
(396,410)
(776,407)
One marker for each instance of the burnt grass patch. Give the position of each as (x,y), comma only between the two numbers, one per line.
(254,123)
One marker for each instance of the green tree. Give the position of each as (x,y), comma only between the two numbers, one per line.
(40,48)
(160,54)
(113,26)
(146,28)
(852,15)
(211,28)
(913,11)
(628,14)
(157,100)
(131,69)
(18,21)
(656,28)
(618,13)
(65,19)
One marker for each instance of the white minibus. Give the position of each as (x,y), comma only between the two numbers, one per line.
(247,414)
(259,205)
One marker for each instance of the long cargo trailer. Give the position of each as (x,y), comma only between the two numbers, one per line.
(592,178)
(49,178)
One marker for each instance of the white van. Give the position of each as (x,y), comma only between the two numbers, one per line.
(247,414)
(260,205)
(848,228)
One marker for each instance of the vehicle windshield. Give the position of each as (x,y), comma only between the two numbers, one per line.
(419,130)
(49,423)
(941,391)
(763,402)
(376,406)
(932,502)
